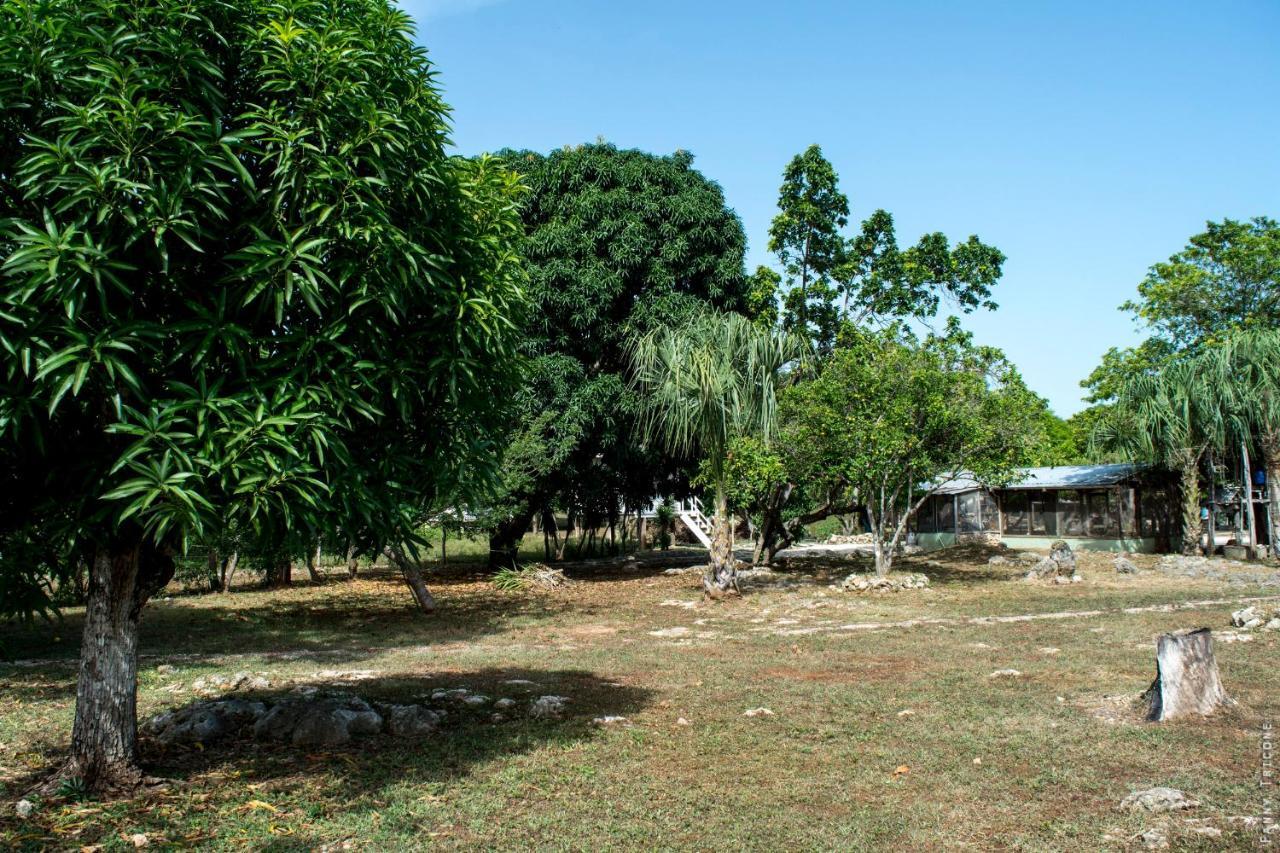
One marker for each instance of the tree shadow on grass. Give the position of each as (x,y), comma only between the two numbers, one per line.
(292,784)
(328,622)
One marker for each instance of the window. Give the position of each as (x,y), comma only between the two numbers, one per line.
(1017,520)
(1071,521)
(1126,507)
(967,513)
(946,514)
(990,512)
(1101,514)
(926,521)
(1155,513)
(1044,513)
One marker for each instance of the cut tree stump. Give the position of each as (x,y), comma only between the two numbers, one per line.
(1186,677)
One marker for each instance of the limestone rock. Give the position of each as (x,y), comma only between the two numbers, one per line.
(1257,618)
(210,684)
(1158,800)
(1125,566)
(410,720)
(1155,838)
(24,808)
(549,707)
(504,704)
(327,721)
(865,582)
(203,722)
(1058,567)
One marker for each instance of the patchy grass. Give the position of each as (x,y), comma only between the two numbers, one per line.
(882,735)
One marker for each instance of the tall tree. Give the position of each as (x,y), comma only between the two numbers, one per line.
(880,282)
(705,384)
(243,284)
(1227,277)
(617,242)
(806,237)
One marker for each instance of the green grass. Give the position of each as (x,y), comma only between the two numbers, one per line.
(822,773)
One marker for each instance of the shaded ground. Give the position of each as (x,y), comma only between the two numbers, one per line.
(890,735)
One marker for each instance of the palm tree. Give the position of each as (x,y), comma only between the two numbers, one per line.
(1246,367)
(1171,417)
(703,384)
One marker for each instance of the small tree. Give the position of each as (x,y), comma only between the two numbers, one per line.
(706,383)
(244,287)
(895,419)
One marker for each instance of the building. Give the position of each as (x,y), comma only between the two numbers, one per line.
(1121,508)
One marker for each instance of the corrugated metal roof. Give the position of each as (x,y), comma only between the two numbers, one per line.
(1054,477)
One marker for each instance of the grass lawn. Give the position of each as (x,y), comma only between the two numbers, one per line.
(882,735)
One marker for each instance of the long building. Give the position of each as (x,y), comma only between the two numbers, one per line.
(1116,507)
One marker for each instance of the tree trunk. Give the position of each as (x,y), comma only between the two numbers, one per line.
(412,571)
(213,568)
(1189,491)
(504,540)
(313,561)
(229,569)
(641,543)
(722,575)
(353,565)
(1186,677)
(1271,463)
(104,736)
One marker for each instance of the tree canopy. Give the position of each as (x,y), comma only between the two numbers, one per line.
(888,419)
(707,383)
(618,242)
(241,280)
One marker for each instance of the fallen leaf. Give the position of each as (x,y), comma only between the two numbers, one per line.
(901,770)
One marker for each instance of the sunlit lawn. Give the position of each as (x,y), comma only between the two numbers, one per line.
(1035,761)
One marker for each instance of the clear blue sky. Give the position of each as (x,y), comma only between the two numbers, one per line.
(1086,140)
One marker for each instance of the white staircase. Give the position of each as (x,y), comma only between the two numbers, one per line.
(699,525)
(690,513)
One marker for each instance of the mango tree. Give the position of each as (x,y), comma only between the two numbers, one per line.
(243,284)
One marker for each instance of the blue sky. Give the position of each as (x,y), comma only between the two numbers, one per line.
(1085,140)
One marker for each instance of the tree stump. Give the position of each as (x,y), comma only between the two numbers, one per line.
(1186,677)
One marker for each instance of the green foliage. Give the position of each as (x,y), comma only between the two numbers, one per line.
(1061,442)
(806,237)
(511,578)
(618,242)
(761,300)
(890,419)
(709,382)
(881,282)
(868,274)
(753,468)
(243,284)
(1227,277)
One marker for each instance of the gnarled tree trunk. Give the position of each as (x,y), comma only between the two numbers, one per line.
(229,569)
(352,563)
(722,575)
(504,541)
(413,577)
(313,563)
(104,737)
(1186,677)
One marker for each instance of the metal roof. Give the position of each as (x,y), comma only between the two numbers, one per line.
(1054,477)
